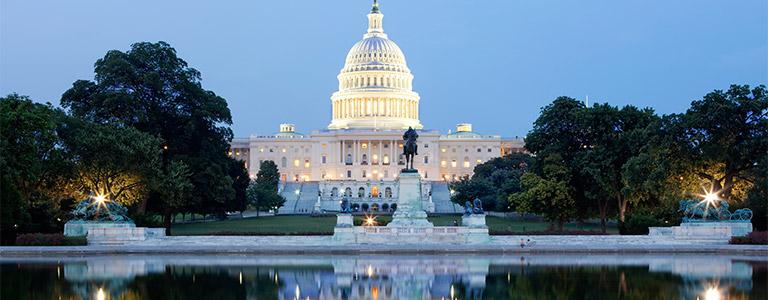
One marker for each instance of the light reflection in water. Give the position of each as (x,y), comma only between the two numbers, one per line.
(401,277)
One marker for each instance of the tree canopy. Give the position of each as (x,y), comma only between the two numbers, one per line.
(151,89)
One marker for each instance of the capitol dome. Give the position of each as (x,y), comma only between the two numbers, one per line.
(375,84)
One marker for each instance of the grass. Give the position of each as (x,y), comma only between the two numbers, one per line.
(308,224)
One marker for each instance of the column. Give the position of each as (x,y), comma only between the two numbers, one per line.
(341,151)
(354,150)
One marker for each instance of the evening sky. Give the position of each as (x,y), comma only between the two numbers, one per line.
(490,63)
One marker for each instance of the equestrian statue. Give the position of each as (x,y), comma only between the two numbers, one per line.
(410,149)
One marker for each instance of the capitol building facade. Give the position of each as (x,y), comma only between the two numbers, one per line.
(360,152)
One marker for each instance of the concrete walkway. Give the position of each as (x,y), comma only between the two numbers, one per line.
(422,249)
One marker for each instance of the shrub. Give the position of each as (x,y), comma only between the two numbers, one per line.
(149,220)
(548,232)
(637,222)
(265,233)
(753,238)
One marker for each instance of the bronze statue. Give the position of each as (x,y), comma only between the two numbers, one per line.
(467,208)
(410,149)
(344,205)
(478,206)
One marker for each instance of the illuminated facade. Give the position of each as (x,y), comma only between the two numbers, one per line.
(374,105)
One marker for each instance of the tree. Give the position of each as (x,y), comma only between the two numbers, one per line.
(262,193)
(111,160)
(151,89)
(493,181)
(719,139)
(550,196)
(28,147)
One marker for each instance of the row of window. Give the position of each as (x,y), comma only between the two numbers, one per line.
(374,192)
(454,164)
(466,150)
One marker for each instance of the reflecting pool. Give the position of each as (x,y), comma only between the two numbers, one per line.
(387,277)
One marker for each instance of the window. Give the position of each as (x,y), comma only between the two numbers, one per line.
(386,160)
(426,174)
(386,173)
(453,150)
(426,145)
(261,150)
(284,162)
(426,159)
(479,161)
(260,162)
(386,145)
(489,149)
(466,164)
(365,174)
(324,159)
(271,150)
(349,145)
(230,152)
(334,192)
(479,150)
(306,163)
(296,163)
(375,159)
(361,192)
(323,145)
(442,164)
(453,163)
(283,150)
(442,150)
(364,145)
(349,159)
(365,160)
(323,176)
(349,173)
(401,160)
(296,150)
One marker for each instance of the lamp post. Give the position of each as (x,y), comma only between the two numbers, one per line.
(298,196)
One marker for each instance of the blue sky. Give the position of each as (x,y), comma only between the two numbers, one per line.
(490,63)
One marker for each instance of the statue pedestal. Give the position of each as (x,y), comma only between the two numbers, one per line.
(409,211)
(80,228)
(478,230)
(344,231)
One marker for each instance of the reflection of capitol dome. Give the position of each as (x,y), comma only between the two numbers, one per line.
(375,84)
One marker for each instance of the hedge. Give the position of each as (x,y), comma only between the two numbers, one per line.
(49,239)
(753,238)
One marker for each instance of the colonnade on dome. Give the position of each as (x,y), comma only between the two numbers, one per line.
(359,107)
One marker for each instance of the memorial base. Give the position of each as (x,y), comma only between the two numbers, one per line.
(344,231)
(80,228)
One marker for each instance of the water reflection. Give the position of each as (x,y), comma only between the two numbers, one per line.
(387,277)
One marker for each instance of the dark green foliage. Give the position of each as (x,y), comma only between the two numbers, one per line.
(752,238)
(548,232)
(13,212)
(493,181)
(262,192)
(548,195)
(50,239)
(757,197)
(638,221)
(150,220)
(151,89)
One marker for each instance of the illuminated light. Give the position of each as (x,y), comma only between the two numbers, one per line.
(452,291)
(100,294)
(443,150)
(442,163)
(241,277)
(386,160)
(479,161)
(323,145)
(712,294)
(100,199)
(283,150)
(375,292)
(466,164)
(296,163)
(230,152)
(364,145)
(261,150)
(297,292)
(165,147)
(375,171)
(297,192)
(400,145)
(369,271)
(237,153)
(453,163)
(306,164)
(452,190)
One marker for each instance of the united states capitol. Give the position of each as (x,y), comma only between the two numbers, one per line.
(360,153)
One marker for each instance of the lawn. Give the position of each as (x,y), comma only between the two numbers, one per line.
(287,224)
